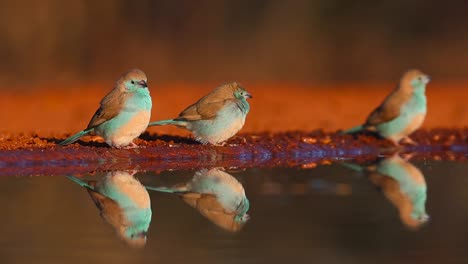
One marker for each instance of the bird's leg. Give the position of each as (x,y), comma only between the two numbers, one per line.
(408,140)
(408,156)
(131,146)
(244,141)
(132,172)
(392,149)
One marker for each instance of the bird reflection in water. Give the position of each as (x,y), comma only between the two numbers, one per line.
(404,186)
(217,195)
(123,202)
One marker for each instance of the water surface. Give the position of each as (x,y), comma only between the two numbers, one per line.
(328,214)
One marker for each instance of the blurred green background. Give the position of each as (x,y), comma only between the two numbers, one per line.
(55,41)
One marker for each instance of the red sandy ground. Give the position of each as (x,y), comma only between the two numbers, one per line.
(53,111)
(35,120)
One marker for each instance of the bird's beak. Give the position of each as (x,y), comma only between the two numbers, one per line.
(426,79)
(143,83)
(247,95)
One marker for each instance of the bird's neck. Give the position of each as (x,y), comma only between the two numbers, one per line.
(414,91)
(243,206)
(420,89)
(142,92)
(139,100)
(243,105)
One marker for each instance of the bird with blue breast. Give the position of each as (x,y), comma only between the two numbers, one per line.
(402,112)
(216,117)
(124,113)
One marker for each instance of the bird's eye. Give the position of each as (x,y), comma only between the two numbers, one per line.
(133,82)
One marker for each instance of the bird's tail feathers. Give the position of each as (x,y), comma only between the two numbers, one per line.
(80,182)
(176,189)
(75,137)
(353,130)
(160,189)
(164,122)
(353,166)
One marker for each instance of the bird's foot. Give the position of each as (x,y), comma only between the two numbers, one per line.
(243,139)
(407,156)
(392,149)
(408,140)
(130,146)
(222,144)
(132,172)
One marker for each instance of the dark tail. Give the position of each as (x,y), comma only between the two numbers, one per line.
(353,130)
(163,122)
(80,182)
(353,166)
(161,189)
(75,137)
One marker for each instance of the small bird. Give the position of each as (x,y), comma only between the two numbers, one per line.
(123,202)
(403,184)
(216,117)
(124,113)
(217,195)
(402,112)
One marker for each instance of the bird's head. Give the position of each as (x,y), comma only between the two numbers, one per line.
(134,238)
(417,79)
(133,80)
(240,92)
(242,210)
(413,219)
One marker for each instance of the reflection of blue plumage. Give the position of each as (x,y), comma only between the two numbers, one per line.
(123,202)
(403,184)
(411,184)
(215,194)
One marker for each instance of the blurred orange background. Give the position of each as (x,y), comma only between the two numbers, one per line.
(309,64)
(275,107)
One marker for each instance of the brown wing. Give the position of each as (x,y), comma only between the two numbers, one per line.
(388,110)
(109,209)
(381,115)
(111,105)
(208,106)
(205,201)
(209,207)
(200,111)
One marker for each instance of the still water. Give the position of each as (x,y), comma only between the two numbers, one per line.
(393,211)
